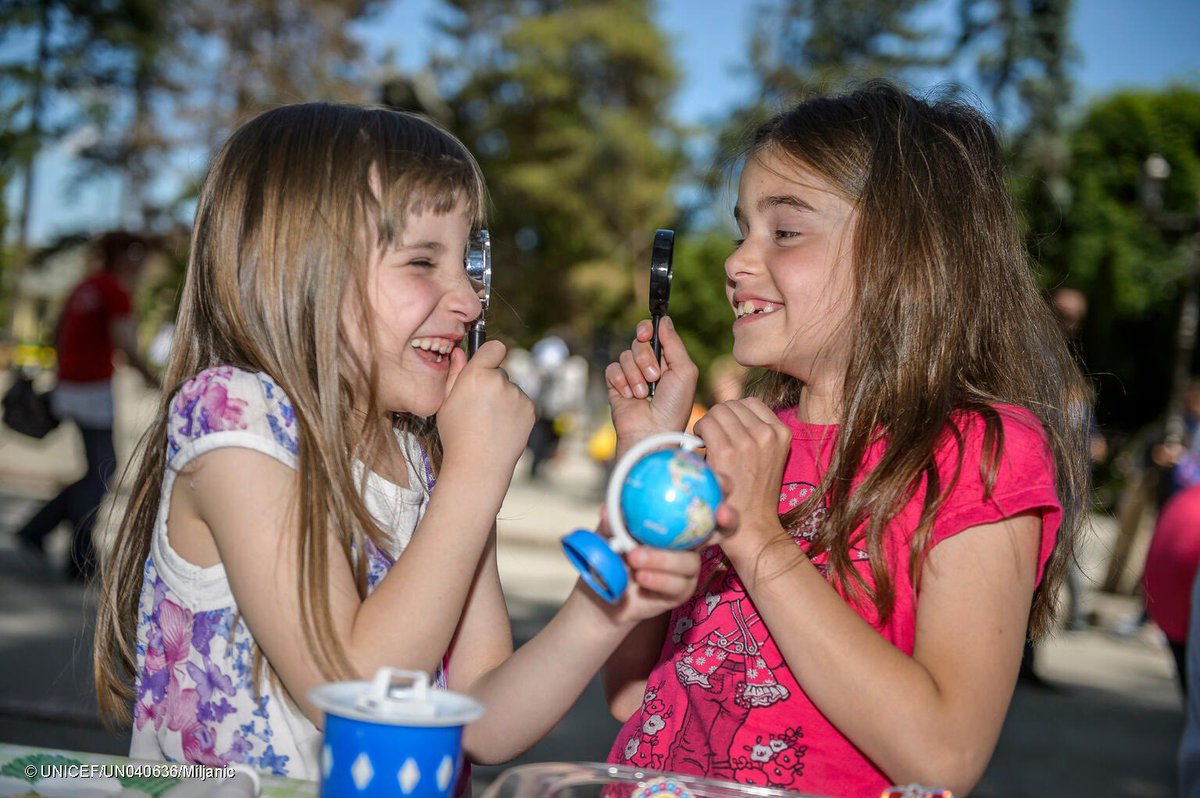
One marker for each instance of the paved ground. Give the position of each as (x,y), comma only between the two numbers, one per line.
(1107,726)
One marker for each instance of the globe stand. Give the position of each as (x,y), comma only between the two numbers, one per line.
(598,560)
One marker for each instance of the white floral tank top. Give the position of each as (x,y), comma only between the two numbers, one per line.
(195,697)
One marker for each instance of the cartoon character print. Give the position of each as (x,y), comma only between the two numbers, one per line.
(725,630)
(724,663)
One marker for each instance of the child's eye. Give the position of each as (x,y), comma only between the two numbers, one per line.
(785,234)
(737,242)
(424,263)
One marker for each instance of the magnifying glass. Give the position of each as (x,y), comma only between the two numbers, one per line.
(479,272)
(661,257)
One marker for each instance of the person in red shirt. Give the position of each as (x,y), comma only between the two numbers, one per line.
(910,474)
(1171,565)
(96,321)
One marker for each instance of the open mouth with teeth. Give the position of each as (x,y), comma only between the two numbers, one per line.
(753,307)
(434,349)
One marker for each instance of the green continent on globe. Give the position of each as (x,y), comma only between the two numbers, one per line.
(700,522)
(687,466)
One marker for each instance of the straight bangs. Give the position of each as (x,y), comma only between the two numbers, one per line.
(418,169)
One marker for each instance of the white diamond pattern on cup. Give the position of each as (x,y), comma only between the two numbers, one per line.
(445,773)
(409,775)
(326,761)
(361,771)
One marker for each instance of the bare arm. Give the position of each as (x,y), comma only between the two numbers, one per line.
(407,622)
(246,498)
(528,692)
(930,718)
(627,670)
(635,417)
(935,717)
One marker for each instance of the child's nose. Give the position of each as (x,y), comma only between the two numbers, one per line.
(463,300)
(742,262)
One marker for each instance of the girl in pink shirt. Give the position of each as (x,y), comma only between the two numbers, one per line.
(910,471)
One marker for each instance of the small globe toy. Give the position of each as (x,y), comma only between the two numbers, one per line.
(667,499)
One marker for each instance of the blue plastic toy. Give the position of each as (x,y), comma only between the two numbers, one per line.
(667,499)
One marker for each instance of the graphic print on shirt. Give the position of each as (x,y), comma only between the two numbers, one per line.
(726,662)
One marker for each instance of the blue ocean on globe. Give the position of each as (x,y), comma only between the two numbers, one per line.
(670,500)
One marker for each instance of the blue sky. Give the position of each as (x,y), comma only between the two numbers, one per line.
(1121,43)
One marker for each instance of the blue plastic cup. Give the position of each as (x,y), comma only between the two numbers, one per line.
(392,736)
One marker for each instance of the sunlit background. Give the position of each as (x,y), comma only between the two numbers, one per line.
(596,123)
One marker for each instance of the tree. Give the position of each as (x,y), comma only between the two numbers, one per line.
(565,103)
(1131,270)
(800,46)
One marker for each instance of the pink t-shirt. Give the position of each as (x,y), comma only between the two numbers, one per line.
(1171,564)
(722,703)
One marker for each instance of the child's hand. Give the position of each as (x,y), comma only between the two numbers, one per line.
(662,579)
(748,448)
(485,419)
(634,415)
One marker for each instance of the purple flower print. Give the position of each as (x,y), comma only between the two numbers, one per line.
(214,713)
(199,746)
(203,627)
(152,712)
(208,679)
(175,623)
(155,685)
(239,748)
(205,401)
(160,590)
(273,762)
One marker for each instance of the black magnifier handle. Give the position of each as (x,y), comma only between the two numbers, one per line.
(661,258)
(476,335)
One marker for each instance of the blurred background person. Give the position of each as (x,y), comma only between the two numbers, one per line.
(96,322)
(1171,565)
(559,385)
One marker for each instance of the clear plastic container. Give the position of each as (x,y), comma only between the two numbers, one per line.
(591,780)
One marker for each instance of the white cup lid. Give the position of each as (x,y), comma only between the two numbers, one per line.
(397,698)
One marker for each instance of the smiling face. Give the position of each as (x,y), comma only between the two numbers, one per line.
(789,281)
(419,303)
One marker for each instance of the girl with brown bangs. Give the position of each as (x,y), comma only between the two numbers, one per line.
(284,528)
(910,472)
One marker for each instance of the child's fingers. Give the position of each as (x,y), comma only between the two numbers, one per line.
(683,563)
(643,356)
(757,408)
(458,359)
(633,375)
(762,428)
(615,377)
(674,351)
(727,521)
(669,585)
(489,356)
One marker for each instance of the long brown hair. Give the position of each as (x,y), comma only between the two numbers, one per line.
(278,240)
(946,318)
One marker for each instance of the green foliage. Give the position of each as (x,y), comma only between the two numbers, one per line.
(565,105)
(1098,237)
(1113,246)
(801,46)
(698,304)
